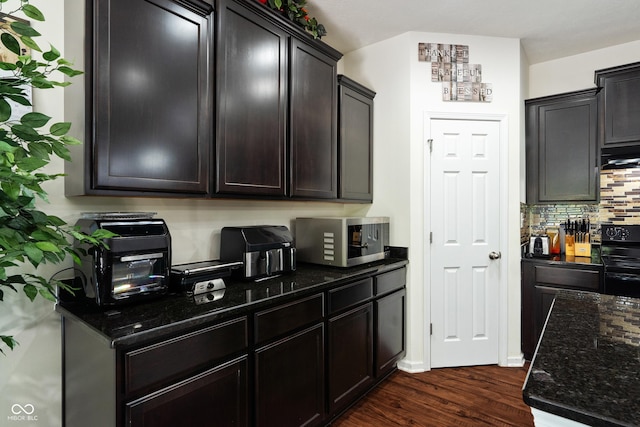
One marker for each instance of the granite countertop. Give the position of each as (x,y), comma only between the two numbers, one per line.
(175,312)
(587,365)
(595,258)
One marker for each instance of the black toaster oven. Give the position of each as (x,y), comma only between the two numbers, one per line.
(135,265)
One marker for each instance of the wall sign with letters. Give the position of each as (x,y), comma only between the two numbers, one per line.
(460,80)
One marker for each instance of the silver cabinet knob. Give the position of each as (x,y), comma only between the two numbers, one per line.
(495,255)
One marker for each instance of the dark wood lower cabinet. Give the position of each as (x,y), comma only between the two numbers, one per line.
(300,362)
(216,397)
(350,356)
(290,380)
(390,329)
(183,380)
(540,282)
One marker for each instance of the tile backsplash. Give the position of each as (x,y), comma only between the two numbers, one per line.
(619,204)
(541,217)
(620,196)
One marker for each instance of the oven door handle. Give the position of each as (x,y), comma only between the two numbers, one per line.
(627,277)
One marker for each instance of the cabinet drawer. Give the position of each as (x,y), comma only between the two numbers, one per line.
(390,281)
(224,388)
(288,317)
(170,360)
(350,295)
(568,277)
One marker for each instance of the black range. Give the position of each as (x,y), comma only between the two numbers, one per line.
(620,251)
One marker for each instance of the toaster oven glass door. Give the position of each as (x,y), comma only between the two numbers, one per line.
(138,274)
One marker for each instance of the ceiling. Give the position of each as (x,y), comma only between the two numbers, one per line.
(548,29)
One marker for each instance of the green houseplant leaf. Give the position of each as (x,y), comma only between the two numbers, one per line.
(28,235)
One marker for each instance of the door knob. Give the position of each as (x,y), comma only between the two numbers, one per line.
(495,255)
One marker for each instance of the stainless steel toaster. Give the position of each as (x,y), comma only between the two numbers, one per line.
(539,245)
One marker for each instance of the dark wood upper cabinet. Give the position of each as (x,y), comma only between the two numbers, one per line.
(619,105)
(149,90)
(185,101)
(252,103)
(313,123)
(562,148)
(355,140)
(277,107)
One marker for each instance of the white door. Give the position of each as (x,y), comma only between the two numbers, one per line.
(464,221)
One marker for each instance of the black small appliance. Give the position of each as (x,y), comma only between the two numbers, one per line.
(264,250)
(136,264)
(200,277)
(620,250)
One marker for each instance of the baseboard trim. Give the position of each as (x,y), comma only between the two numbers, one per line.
(515,361)
(412,367)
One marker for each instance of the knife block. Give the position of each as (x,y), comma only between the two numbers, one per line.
(583,249)
(569,246)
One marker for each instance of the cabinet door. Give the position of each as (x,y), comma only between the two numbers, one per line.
(540,283)
(313,123)
(350,355)
(355,140)
(252,103)
(620,106)
(562,150)
(543,297)
(389,331)
(289,380)
(216,397)
(527,324)
(152,95)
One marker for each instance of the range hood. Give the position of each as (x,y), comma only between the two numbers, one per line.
(620,157)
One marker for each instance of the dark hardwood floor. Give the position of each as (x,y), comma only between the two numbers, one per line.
(468,396)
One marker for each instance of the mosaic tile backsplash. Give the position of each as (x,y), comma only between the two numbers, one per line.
(620,196)
(619,204)
(541,217)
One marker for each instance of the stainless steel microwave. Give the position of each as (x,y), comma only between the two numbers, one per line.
(342,241)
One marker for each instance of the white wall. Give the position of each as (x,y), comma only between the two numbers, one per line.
(404,93)
(577,72)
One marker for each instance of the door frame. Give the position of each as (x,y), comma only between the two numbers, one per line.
(503,307)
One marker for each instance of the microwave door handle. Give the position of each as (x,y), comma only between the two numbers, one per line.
(292,259)
(361,246)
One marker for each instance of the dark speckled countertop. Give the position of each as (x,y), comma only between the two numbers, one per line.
(174,313)
(587,365)
(594,259)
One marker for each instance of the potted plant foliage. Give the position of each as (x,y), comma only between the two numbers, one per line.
(296,12)
(27,144)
